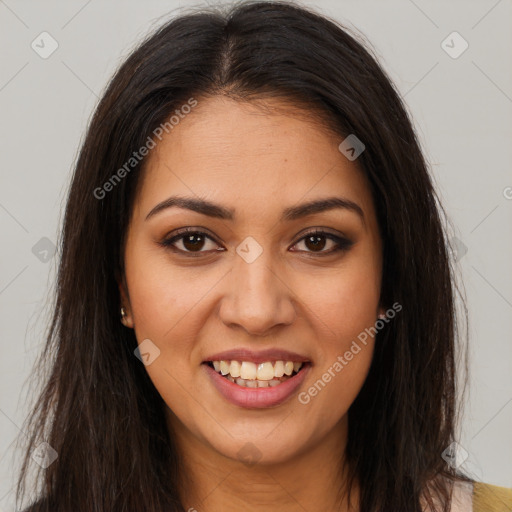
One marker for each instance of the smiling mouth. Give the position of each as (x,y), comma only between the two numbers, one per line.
(257,375)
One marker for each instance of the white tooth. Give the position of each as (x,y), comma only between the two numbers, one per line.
(224,367)
(240,382)
(265,371)
(288,368)
(251,383)
(262,383)
(248,370)
(234,369)
(278,369)
(297,367)
(216,365)
(273,383)
(231,378)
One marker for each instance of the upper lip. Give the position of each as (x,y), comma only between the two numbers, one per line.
(261,356)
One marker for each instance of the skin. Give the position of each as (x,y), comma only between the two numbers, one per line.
(290,297)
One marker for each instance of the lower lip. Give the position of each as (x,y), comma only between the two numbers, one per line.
(257,398)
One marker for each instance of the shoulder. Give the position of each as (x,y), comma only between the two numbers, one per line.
(472,496)
(491,498)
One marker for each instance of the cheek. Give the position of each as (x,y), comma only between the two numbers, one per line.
(343,308)
(344,303)
(344,320)
(353,306)
(165,303)
(162,295)
(336,385)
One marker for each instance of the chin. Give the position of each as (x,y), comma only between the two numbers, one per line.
(263,449)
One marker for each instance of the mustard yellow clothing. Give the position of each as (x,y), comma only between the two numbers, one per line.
(491,498)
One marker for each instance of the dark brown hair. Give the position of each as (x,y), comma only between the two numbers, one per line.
(100,411)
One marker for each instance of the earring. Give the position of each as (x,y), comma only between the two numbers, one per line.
(382,316)
(123,315)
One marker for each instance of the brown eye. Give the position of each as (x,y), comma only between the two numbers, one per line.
(316,241)
(189,242)
(193,242)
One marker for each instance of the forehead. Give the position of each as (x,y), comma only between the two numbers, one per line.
(247,157)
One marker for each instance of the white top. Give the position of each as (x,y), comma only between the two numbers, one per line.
(462,498)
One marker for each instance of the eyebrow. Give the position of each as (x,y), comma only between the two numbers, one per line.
(217,211)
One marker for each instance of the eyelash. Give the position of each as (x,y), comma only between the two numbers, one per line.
(342,244)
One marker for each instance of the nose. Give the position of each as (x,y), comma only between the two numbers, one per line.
(259,299)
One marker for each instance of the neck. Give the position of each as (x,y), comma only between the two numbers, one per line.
(311,480)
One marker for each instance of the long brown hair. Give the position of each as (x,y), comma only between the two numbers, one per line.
(99,410)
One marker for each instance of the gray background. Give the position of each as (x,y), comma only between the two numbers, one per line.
(461,108)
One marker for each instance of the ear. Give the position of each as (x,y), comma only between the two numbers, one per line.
(127,319)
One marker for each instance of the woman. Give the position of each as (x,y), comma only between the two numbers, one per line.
(251,199)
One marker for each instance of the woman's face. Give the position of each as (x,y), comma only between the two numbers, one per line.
(254,291)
